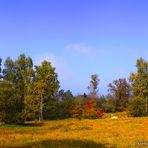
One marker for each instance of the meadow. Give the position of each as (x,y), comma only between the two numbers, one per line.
(72,133)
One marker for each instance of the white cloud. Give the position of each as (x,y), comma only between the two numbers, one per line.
(65,73)
(47,56)
(78,48)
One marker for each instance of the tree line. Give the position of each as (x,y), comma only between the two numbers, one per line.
(29,92)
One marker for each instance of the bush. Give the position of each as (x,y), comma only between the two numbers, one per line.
(137,107)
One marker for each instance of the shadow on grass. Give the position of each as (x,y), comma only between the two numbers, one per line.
(22,125)
(63,144)
(34,124)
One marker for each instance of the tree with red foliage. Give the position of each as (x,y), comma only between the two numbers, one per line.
(90,110)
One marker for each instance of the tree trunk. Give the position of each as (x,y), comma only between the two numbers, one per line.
(146,105)
(41,109)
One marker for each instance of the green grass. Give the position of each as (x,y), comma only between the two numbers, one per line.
(72,133)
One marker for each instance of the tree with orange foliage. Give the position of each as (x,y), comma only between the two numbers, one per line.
(90,110)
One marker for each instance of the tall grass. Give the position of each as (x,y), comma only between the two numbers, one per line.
(71,133)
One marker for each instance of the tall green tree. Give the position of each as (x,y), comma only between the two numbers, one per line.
(20,74)
(43,88)
(121,91)
(93,87)
(139,81)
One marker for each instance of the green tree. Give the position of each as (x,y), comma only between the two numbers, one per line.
(139,82)
(59,106)
(9,70)
(137,106)
(65,103)
(9,103)
(121,91)
(43,88)
(32,101)
(20,74)
(93,87)
(106,103)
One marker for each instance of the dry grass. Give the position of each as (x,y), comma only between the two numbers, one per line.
(71,133)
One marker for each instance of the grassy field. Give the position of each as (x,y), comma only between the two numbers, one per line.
(72,133)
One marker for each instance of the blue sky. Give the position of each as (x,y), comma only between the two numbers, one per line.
(80,37)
